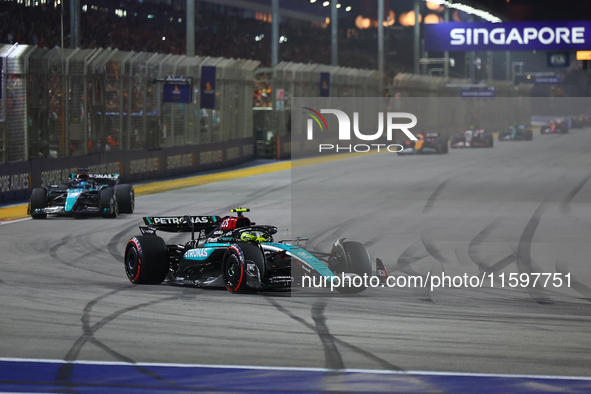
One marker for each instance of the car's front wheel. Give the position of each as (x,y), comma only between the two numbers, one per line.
(125,198)
(353,258)
(38,201)
(240,261)
(108,203)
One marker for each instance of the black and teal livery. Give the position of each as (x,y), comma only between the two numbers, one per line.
(84,194)
(237,254)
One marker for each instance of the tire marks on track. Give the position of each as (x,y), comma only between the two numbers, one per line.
(524,259)
(429,244)
(333,359)
(476,257)
(65,372)
(565,206)
(318,311)
(53,253)
(431,200)
(475,243)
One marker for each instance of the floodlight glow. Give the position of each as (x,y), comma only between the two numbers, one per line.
(469,10)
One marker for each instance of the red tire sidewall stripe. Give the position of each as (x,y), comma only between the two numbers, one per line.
(139,261)
(241,270)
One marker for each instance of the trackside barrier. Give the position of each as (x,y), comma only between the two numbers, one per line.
(18,179)
(72,102)
(290,80)
(493,113)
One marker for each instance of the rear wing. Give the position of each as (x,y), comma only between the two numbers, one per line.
(102,179)
(98,177)
(179,224)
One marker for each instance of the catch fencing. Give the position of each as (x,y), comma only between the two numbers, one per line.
(273,114)
(71,102)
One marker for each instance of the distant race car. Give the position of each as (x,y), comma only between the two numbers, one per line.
(555,126)
(426,143)
(85,194)
(472,139)
(516,133)
(237,254)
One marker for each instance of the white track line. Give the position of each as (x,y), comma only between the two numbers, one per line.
(13,221)
(301,369)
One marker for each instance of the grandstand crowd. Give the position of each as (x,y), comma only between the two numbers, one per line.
(151,27)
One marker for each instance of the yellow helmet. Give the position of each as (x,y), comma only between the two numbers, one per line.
(254,236)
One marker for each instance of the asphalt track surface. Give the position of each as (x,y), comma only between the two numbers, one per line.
(519,207)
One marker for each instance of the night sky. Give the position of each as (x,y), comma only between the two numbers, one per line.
(514,10)
(524,10)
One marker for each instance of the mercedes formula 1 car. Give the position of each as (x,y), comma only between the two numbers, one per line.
(237,254)
(425,143)
(555,126)
(516,133)
(85,194)
(472,139)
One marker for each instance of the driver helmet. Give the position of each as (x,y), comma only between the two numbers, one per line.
(83,181)
(254,236)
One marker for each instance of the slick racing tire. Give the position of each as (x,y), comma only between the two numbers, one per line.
(444,145)
(38,200)
(544,130)
(357,262)
(125,198)
(490,140)
(529,135)
(441,146)
(146,260)
(235,263)
(108,203)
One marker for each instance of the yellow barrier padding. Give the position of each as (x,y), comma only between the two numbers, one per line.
(175,184)
(20,211)
(13,213)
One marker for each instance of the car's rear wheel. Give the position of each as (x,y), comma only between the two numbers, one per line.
(444,145)
(544,130)
(235,264)
(529,135)
(146,260)
(38,201)
(125,198)
(108,203)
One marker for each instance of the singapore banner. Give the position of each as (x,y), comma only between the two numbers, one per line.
(508,36)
